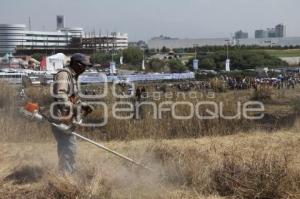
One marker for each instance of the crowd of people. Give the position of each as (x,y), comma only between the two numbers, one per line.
(282,81)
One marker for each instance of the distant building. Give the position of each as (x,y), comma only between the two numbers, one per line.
(280,30)
(190,43)
(157,43)
(13,36)
(271,32)
(162,37)
(16,38)
(140,44)
(60,22)
(108,42)
(269,37)
(261,34)
(241,35)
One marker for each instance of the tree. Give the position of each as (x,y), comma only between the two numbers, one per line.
(38,56)
(176,66)
(133,56)
(208,63)
(239,59)
(165,50)
(101,58)
(156,65)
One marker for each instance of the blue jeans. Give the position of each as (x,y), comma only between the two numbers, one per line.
(66,149)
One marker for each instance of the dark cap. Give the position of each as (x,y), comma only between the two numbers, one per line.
(81,58)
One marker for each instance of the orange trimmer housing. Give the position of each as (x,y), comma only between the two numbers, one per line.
(31,107)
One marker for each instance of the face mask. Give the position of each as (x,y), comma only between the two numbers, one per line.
(79,69)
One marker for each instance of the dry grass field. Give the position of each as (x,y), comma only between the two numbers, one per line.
(256,165)
(191,159)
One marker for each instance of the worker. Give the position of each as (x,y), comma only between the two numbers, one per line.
(22,95)
(138,94)
(65,110)
(143,92)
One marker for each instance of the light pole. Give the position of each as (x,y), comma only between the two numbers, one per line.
(195,61)
(121,57)
(9,59)
(227,63)
(227,53)
(195,47)
(143,63)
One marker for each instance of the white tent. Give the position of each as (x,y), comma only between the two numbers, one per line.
(7,57)
(56,62)
(112,68)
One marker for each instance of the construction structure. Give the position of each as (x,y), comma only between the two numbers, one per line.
(17,39)
(60,22)
(109,42)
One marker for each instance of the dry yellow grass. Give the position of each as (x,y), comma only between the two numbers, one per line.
(279,111)
(209,163)
(184,168)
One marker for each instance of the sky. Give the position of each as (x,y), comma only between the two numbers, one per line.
(144,19)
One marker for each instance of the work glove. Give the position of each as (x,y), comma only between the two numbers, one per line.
(86,108)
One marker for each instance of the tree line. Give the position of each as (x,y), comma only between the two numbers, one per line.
(239,59)
(210,57)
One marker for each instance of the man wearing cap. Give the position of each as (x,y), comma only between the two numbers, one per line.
(64,110)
